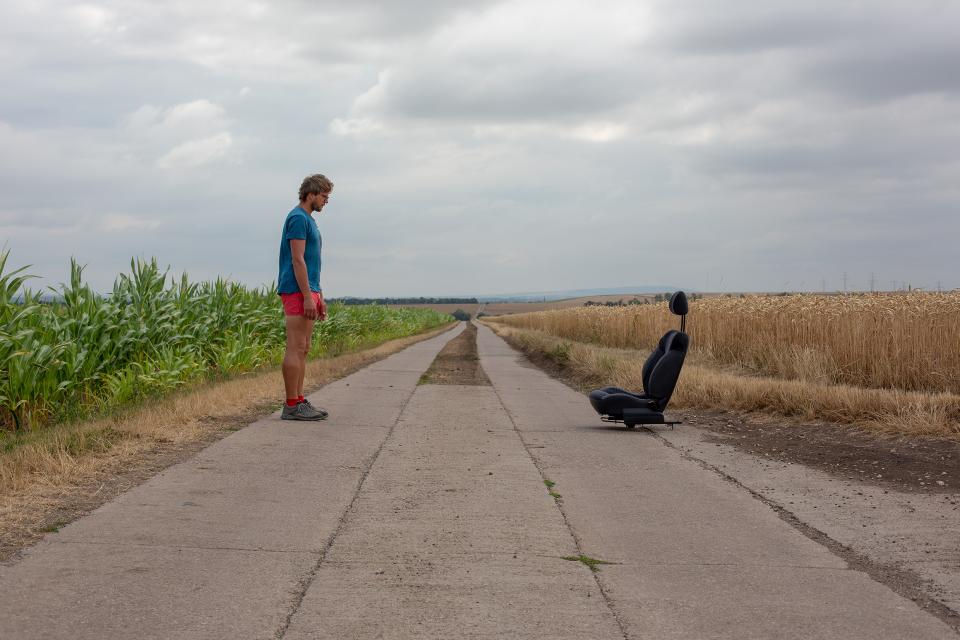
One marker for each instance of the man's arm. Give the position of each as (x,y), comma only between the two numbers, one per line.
(322,309)
(310,310)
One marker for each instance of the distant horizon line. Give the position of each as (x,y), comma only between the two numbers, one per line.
(519,298)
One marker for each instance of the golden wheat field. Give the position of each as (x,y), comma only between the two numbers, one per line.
(905,341)
(503,308)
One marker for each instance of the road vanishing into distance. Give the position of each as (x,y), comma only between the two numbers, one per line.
(501,508)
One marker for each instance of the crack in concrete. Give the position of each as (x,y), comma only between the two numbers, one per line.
(178,547)
(573,534)
(901,581)
(307,580)
(745,565)
(466,555)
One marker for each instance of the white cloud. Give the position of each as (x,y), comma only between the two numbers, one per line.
(191,115)
(95,19)
(600,131)
(354,126)
(184,120)
(195,153)
(184,135)
(123,222)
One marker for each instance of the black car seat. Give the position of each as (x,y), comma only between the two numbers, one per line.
(659,376)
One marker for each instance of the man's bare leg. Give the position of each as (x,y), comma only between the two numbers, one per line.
(303,365)
(299,330)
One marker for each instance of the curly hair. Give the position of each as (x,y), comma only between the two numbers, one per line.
(317,183)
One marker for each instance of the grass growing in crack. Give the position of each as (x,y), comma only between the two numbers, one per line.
(550,485)
(424,379)
(592,563)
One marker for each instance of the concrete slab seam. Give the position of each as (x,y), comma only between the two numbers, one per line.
(576,540)
(180,547)
(902,581)
(307,580)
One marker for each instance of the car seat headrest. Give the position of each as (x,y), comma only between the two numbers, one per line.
(678,303)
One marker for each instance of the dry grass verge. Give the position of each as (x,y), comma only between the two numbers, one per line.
(880,341)
(65,471)
(886,411)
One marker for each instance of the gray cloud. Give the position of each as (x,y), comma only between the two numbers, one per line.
(889,73)
(483,147)
(709,28)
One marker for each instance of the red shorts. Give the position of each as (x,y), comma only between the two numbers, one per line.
(293,302)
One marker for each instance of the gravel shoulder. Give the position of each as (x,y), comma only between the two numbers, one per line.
(900,532)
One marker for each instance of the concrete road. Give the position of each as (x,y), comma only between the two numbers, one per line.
(423,512)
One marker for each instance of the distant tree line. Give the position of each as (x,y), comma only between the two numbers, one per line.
(616,303)
(665,297)
(660,297)
(406,300)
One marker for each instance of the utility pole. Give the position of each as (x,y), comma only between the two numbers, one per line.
(844,281)
(823,284)
(872,281)
(939,289)
(893,285)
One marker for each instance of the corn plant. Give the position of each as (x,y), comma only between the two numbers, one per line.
(150,334)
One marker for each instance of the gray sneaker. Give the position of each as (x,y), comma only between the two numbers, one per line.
(323,412)
(300,412)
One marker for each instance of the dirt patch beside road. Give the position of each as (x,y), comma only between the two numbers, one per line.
(458,362)
(916,465)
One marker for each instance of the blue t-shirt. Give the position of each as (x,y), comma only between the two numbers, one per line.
(299,225)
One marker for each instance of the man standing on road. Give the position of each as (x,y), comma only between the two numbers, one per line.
(299,289)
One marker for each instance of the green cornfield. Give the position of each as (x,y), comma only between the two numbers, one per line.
(85,353)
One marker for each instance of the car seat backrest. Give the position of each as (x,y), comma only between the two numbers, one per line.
(663,377)
(654,358)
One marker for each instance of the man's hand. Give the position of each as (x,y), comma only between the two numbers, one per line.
(310,311)
(322,311)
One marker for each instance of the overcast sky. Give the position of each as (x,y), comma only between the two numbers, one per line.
(488,147)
